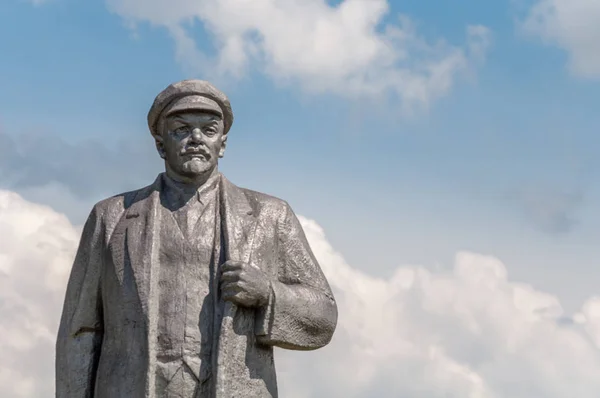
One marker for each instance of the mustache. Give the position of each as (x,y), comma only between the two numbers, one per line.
(197,151)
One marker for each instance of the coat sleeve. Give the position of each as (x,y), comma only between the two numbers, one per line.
(301,313)
(81,326)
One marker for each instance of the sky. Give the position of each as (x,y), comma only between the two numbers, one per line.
(442,157)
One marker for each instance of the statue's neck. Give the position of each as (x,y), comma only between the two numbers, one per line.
(191,184)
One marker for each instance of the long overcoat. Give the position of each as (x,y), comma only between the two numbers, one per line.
(106,345)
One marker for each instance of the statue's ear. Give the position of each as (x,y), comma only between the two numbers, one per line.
(223,145)
(160,146)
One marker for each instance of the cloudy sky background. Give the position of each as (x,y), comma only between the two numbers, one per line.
(443,155)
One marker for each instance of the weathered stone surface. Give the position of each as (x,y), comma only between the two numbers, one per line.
(182,288)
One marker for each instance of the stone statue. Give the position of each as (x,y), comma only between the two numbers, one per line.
(182,288)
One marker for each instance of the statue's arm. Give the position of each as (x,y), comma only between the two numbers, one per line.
(302,312)
(80,332)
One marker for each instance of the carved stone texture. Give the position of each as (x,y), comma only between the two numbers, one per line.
(182,288)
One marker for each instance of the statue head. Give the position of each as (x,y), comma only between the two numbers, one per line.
(190,121)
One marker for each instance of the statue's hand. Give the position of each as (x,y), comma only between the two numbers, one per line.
(244,284)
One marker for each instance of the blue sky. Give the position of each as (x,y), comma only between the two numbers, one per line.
(500,163)
(409,131)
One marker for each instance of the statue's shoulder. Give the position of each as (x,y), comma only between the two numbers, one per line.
(263,201)
(256,199)
(114,206)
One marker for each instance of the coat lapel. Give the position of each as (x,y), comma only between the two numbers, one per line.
(141,232)
(142,229)
(238,223)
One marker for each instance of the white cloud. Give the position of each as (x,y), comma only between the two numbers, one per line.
(466,334)
(345,49)
(36,248)
(573,25)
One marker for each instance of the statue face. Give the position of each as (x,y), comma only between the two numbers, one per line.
(192,143)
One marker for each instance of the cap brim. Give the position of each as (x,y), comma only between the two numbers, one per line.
(195,103)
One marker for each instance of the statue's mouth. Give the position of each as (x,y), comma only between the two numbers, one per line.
(197,155)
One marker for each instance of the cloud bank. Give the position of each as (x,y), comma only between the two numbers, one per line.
(470,334)
(37,246)
(572,25)
(347,49)
(60,174)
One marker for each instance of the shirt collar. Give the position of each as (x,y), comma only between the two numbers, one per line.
(178,191)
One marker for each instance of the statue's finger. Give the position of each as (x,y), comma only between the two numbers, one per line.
(240,298)
(234,287)
(231,266)
(229,297)
(230,276)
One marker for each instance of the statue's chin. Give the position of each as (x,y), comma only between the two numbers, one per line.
(196,167)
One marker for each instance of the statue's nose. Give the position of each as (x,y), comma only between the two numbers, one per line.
(197,134)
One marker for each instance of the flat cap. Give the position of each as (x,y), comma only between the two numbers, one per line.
(188,95)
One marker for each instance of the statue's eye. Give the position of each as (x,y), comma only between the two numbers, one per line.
(181,130)
(211,129)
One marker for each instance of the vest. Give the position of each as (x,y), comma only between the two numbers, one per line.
(186,308)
